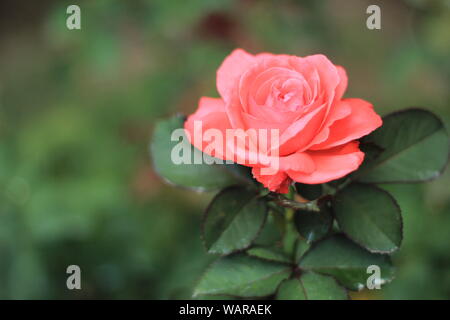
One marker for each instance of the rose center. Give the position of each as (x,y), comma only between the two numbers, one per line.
(285,97)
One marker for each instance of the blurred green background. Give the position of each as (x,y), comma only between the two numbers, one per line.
(76,113)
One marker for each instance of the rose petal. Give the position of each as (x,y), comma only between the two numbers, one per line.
(278,182)
(230,71)
(337,111)
(328,73)
(361,120)
(342,86)
(301,131)
(331,164)
(238,145)
(299,162)
(211,114)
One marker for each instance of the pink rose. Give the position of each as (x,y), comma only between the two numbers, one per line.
(302,99)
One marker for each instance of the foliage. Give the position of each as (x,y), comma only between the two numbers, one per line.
(369,222)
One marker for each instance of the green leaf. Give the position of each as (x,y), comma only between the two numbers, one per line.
(311,286)
(313,225)
(415,148)
(301,247)
(242,276)
(309,191)
(272,232)
(215,297)
(268,253)
(233,220)
(370,216)
(243,174)
(347,262)
(201,177)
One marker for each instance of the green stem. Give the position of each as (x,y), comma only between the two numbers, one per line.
(292,204)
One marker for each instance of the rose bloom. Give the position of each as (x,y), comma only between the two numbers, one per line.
(299,96)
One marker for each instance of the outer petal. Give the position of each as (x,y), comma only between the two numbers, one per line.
(211,113)
(361,121)
(235,146)
(337,112)
(331,164)
(342,86)
(207,105)
(328,73)
(299,162)
(278,182)
(231,70)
